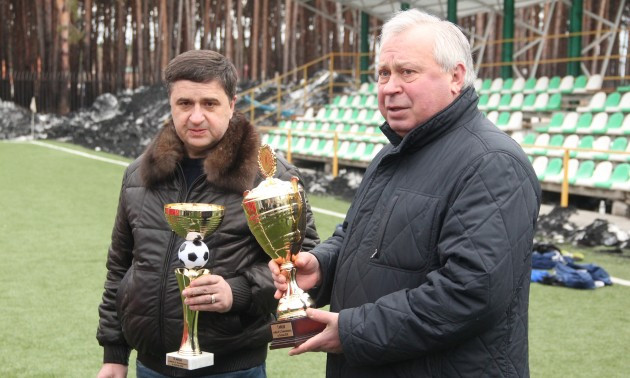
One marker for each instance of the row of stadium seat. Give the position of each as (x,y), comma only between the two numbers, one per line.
(556,84)
(567,84)
(612,102)
(323,147)
(354,115)
(588,173)
(542,102)
(587,123)
(601,143)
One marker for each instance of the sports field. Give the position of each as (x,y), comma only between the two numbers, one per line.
(55,223)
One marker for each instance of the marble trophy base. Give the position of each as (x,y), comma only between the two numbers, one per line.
(190,362)
(293,332)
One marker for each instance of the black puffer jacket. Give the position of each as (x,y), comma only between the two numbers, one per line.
(141,306)
(430,273)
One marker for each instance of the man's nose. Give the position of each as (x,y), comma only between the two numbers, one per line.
(392,86)
(196,117)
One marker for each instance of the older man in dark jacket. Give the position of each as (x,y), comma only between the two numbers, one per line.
(429,274)
(207,153)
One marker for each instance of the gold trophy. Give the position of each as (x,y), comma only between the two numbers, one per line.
(276,215)
(193,222)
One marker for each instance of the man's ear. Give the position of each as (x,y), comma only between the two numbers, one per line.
(458,75)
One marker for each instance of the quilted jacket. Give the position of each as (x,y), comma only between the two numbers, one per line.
(141,307)
(430,270)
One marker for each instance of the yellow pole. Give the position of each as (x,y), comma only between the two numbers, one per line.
(289,146)
(335,167)
(564,195)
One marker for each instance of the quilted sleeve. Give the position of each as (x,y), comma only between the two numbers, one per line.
(483,246)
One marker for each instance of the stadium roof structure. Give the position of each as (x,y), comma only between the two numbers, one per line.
(602,46)
(383,9)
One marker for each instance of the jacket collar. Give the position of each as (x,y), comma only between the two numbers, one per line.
(457,113)
(231,165)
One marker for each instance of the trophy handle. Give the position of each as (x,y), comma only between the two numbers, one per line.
(300,218)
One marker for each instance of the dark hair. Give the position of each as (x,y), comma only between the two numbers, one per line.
(202,66)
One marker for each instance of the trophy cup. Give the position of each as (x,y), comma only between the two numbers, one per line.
(193,222)
(276,215)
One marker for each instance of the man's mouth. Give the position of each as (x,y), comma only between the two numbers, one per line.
(196,131)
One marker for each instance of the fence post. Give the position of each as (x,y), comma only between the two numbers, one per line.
(252,111)
(564,195)
(278,96)
(331,79)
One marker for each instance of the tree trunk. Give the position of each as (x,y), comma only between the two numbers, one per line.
(287,36)
(228,30)
(265,40)
(64,25)
(238,56)
(254,40)
(139,42)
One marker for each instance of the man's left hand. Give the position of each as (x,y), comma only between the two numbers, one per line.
(326,341)
(209,293)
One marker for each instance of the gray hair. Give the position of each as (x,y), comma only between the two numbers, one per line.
(450,45)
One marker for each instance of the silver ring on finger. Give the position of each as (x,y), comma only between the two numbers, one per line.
(212,299)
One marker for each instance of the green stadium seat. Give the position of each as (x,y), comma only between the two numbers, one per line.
(483,102)
(554,84)
(542,99)
(530,86)
(612,102)
(614,124)
(556,141)
(493,102)
(542,140)
(594,83)
(504,102)
(503,120)
(584,172)
(485,86)
(477,84)
(586,142)
(493,116)
(584,123)
(555,123)
(559,176)
(528,103)
(619,144)
(571,141)
(620,179)
(516,121)
(579,86)
(554,168)
(555,102)
(507,85)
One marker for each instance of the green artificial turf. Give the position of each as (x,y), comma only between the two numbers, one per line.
(55,224)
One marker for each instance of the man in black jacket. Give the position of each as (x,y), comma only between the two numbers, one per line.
(206,153)
(429,274)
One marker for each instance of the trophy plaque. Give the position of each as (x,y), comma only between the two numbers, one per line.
(193,222)
(276,215)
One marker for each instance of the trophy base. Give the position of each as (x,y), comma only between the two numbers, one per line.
(189,362)
(293,332)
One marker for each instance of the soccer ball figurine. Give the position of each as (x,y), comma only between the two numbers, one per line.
(193,253)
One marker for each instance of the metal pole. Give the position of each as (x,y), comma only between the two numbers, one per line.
(564,195)
(335,167)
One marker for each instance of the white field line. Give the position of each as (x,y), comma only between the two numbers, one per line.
(124,164)
(617,281)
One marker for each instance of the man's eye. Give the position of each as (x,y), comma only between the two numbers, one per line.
(383,73)
(407,72)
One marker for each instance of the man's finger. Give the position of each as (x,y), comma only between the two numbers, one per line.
(319,315)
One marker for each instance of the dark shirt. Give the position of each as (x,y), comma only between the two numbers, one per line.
(193,168)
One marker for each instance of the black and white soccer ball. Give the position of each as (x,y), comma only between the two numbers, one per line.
(193,254)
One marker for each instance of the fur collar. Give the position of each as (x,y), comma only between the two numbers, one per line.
(231,165)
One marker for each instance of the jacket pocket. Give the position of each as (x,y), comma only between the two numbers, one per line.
(122,294)
(406,232)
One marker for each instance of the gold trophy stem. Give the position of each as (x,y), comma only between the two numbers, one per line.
(295,301)
(190,344)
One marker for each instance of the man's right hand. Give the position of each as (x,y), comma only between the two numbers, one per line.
(113,371)
(307,276)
